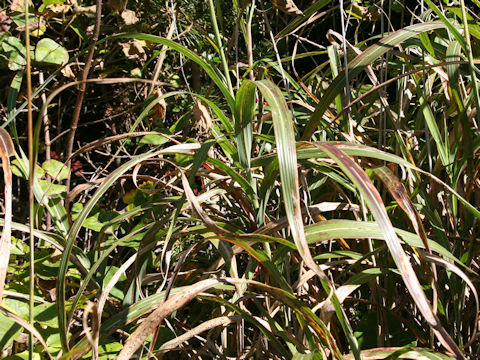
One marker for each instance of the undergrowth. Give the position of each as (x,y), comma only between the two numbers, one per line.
(281,180)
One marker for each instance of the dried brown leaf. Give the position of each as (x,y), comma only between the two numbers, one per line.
(399,193)
(67,72)
(5,21)
(155,318)
(134,50)
(287,6)
(202,116)
(129,17)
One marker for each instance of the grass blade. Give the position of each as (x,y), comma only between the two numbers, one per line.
(226,235)
(189,54)
(351,229)
(456,34)
(244,111)
(175,302)
(311,150)
(359,63)
(287,161)
(377,208)
(62,271)
(442,148)
(29,327)
(6,150)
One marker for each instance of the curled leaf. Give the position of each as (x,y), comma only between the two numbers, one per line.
(155,318)
(377,208)
(202,116)
(6,150)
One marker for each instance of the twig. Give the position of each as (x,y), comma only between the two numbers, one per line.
(81,91)
(207,325)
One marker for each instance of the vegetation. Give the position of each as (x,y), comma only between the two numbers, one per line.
(239,179)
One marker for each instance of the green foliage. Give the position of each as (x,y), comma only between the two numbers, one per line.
(230,196)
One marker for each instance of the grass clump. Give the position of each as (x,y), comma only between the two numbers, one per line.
(261,180)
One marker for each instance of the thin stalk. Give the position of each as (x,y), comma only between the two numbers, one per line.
(180,58)
(31,175)
(470,61)
(274,43)
(220,46)
(46,134)
(81,93)
(249,41)
(471,66)
(345,64)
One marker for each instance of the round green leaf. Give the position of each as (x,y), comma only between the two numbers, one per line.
(55,169)
(48,51)
(14,51)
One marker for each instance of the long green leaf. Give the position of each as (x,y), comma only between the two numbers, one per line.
(350,229)
(442,148)
(359,63)
(307,151)
(244,111)
(189,54)
(456,34)
(287,161)
(72,235)
(377,208)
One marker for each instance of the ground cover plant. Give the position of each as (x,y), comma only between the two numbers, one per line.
(239,179)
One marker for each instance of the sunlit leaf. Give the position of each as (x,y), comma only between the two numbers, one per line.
(49,52)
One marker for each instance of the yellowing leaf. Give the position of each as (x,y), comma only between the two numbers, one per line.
(129,197)
(134,50)
(17,170)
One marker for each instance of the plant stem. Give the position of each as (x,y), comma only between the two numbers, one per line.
(81,93)
(46,136)
(31,175)
(249,41)
(220,46)
(470,60)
